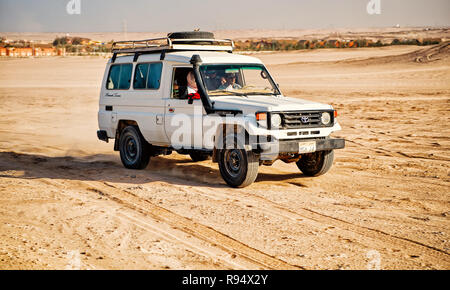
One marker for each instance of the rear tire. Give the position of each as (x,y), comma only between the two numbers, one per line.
(239,168)
(134,149)
(317,163)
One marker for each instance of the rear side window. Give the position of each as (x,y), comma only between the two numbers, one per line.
(140,76)
(119,77)
(147,76)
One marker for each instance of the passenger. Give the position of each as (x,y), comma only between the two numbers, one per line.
(223,82)
(230,83)
(190,92)
(176,89)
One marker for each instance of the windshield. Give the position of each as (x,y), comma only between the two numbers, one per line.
(237,79)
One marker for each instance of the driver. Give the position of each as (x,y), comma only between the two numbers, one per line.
(212,81)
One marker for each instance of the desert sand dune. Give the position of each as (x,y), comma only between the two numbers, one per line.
(67,202)
(428,54)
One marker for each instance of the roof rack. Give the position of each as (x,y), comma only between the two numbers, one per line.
(170,44)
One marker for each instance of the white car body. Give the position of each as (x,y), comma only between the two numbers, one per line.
(149,107)
(157,113)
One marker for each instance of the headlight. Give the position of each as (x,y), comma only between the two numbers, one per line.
(275,121)
(326,118)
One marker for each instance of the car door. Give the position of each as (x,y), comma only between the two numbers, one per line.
(146,102)
(183,122)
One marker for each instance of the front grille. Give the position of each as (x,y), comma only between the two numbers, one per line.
(298,120)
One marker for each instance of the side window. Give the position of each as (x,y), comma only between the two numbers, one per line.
(113,77)
(119,77)
(179,85)
(154,75)
(140,76)
(147,76)
(125,76)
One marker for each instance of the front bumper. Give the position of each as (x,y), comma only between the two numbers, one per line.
(321,145)
(271,150)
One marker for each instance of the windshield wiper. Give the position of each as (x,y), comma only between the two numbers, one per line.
(263,94)
(229,92)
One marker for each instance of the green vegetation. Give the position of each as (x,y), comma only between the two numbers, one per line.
(81,46)
(287,45)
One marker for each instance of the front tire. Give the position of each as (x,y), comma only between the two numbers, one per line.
(317,163)
(134,149)
(239,168)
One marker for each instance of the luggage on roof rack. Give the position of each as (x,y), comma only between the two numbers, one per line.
(193,40)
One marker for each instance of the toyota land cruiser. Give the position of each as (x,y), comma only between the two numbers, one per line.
(232,109)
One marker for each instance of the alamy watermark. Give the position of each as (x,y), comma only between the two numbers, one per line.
(73,7)
(374,260)
(74,262)
(374,7)
(189,131)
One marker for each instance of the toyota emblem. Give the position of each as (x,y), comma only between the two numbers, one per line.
(304,119)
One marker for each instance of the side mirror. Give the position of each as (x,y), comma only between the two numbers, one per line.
(264,75)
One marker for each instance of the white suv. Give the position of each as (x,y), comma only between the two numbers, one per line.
(231,109)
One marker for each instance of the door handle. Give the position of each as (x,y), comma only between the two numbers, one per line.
(112,95)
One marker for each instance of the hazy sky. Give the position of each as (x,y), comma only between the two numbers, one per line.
(171,15)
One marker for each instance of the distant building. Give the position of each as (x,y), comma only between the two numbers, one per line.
(61,51)
(78,40)
(37,51)
(85,41)
(303,44)
(49,51)
(11,51)
(333,43)
(352,43)
(25,52)
(320,44)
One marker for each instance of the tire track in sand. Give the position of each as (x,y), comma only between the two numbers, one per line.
(249,257)
(272,208)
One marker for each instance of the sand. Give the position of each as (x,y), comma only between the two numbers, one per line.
(68,203)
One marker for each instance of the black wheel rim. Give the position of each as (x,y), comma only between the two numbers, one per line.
(131,149)
(313,160)
(233,160)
